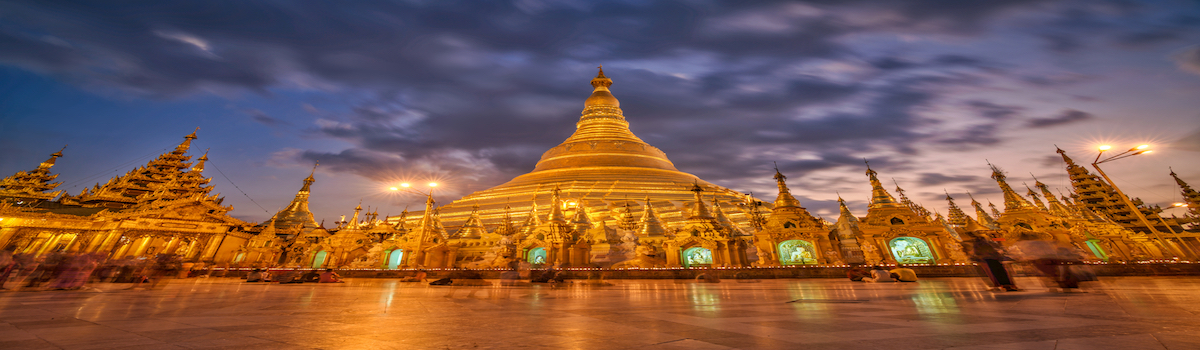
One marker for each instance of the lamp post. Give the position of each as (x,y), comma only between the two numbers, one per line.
(1142,149)
(418,253)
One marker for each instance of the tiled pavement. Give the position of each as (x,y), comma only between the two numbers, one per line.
(954,313)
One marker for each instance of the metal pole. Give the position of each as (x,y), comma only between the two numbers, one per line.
(1135,209)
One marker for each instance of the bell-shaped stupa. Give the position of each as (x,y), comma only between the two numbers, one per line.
(603,164)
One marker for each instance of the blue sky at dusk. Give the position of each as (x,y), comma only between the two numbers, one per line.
(470,94)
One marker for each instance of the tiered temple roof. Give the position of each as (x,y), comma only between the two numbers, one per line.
(32,186)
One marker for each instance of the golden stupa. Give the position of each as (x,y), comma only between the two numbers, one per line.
(602,167)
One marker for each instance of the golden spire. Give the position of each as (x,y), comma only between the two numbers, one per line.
(602,138)
(1012,200)
(581,221)
(187,142)
(916,208)
(1190,196)
(600,94)
(1037,201)
(1055,207)
(473,228)
(719,214)
(556,214)
(983,216)
(651,225)
(54,157)
(785,198)
(532,221)
(699,210)
(879,196)
(199,167)
(957,216)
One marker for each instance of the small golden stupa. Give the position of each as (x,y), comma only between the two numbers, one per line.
(604,168)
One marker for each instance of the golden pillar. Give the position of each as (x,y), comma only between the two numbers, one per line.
(172,245)
(6,235)
(141,245)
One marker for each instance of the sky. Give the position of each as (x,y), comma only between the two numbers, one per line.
(469,94)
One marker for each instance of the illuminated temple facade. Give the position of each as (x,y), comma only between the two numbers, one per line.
(601,198)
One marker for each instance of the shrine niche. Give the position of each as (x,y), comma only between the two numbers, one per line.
(537,256)
(697,256)
(911,250)
(797,252)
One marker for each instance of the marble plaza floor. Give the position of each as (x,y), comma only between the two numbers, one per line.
(945,313)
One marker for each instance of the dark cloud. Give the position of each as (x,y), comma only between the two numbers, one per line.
(995,111)
(264,119)
(934,179)
(1189,142)
(1188,59)
(1065,117)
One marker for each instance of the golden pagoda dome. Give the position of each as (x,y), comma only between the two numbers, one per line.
(600,164)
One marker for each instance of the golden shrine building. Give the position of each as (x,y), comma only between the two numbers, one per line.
(601,198)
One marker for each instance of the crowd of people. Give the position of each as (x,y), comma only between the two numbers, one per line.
(65,271)
(1061,265)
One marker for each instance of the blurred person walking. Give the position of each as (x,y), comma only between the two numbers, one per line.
(7,265)
(990,258)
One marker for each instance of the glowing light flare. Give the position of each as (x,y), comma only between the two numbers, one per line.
(405,185)
(433,184)
(1105,147)
(393,188)
(1142,147)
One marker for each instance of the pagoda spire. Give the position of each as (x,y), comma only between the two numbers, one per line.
(297,214)
(919,210)
(556,214)
(1190,196)
(1053,205)
(187,143)
(957,216)
(720,216)
(532,221)
(785,198)
(848,234)
(354,222)
(506,225)
(880,198)
(947,227)
(995,212)
(699,210)
(581,221)
(473,228)
(1012,200)
(199,166)
(1037,201)
(983,216)
(651,225)
(32,185)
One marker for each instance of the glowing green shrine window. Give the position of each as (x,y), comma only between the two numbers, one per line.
(537,256)
(394,259)
(319,260)
(910,250)
(1097,250)
(697,256)
(797,252)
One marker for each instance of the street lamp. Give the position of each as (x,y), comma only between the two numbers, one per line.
(1140,149)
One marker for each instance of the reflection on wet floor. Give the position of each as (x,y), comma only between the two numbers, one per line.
(1118,313)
